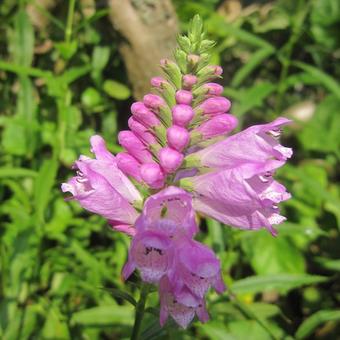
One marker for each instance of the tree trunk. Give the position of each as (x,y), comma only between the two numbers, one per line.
(148,29)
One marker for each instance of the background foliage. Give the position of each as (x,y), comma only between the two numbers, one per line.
(60,267)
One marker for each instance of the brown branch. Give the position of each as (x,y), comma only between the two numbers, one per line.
(149,29)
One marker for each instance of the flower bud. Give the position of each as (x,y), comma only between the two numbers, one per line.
(170,159)
(193,59)
(157,81)
(215,105)
(183,97)
(152,175)
(129,165)
(189,80)
(217,125)
(141,131)
(144,115)
(153,101)
(132,144)
(182,114)
(213,89)
(177,137)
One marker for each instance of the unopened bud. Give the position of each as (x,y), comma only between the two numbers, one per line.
(189,80)
(144,115)
(153,101)
(170,159)
(213,89)
(183,97)
(182,114)
(217,125)
(177,137)
(129,165)
(141,131)
(152,175)
(215,105)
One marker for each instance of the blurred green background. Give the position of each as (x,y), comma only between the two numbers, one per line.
(63,79)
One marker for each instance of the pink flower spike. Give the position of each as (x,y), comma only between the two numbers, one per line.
(177,137)
(170,159)
(132,144)
(141,131)
(182,114)
(183,97)
(189,80)
(144,115)
(153,101)
(217,125)
(215,105)
(213,89)
(129,165)
(152,175)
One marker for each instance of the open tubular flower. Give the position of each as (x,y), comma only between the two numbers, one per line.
(180,152)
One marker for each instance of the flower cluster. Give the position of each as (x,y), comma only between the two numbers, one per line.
(179,154)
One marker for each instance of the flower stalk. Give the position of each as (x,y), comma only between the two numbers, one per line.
(139,312)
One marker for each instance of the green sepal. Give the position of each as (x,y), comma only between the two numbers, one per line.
(165,115)
(204,61)
(195,32)
(191,161)
(186,184)
(173,71)
(168,92)
(206,45)
(181,59)
(160,132)
(195,137)
(184,43)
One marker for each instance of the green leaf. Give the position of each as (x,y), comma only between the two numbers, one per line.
(280,282)
(252,97)
(17,172)
(22,44)
(324,79)
(325,119)
(55,327)
(67,49)
(104,316)
(277,255)
(309,325)
(100,57)
(116,90)
(254,60)
(43,186)
(328,263)
(215,330)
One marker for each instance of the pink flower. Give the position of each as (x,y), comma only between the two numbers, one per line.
(102,188)
(247,203)
(254,150)
(196,267)
(183,307)
(166,215)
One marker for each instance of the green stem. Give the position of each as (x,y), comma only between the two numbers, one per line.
(140,309)
(70,14)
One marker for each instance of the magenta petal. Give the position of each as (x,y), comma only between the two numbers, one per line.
(170,204)
(149,251)
(253,150)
